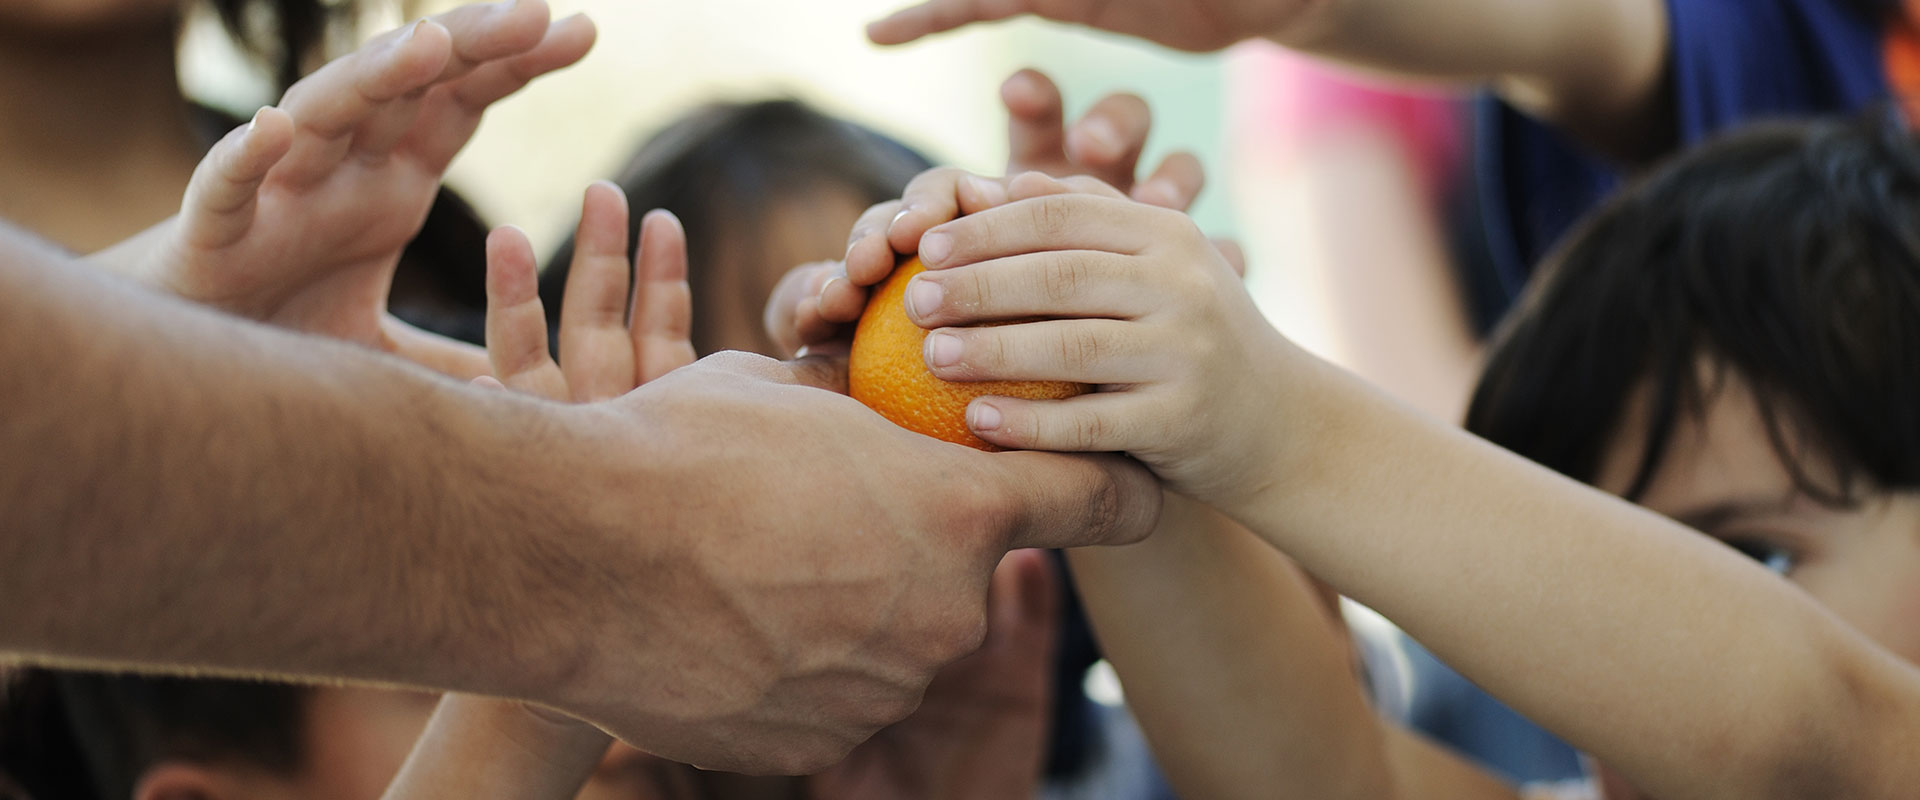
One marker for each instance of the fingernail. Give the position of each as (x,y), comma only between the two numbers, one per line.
(942,349)
(983,417)
(923,297)
(935,248)
(255,120)
(413,29)
(900,216)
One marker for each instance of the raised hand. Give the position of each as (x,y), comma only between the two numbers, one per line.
(299,219)
(1196,25)
(611,339)
(1105,143)
(813,304)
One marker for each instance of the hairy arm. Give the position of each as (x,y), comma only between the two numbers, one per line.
(1645,644)
(1240,676)
(192,493)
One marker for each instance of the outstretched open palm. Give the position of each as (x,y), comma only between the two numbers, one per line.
(300,218)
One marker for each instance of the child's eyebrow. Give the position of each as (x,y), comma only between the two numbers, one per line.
(1709,517)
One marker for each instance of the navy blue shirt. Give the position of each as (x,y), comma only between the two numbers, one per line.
(1730,61)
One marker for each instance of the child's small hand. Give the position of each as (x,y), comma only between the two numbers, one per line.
(299,219)
(815,303)
(1134,299)
(611,340)
(1105,143)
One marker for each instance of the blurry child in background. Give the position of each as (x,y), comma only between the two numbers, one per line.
(760,187)
(97,139)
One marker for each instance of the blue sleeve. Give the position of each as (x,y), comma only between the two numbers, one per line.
(1730,61)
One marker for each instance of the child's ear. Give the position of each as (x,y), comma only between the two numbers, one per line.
(186,780)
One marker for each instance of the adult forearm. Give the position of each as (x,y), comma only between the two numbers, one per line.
(190,491)
(1635,638)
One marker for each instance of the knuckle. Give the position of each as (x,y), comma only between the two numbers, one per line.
(979,284)
(1103,506)
(1050,217)
(962,634)
(1087,431)
(1080,350)
(1064,278)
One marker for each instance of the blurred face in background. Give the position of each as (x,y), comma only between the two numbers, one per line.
(747,264)
(69,17)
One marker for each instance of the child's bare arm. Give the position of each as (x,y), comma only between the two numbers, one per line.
(1596,67)
(1654,648)
(475,747)
(1239,674)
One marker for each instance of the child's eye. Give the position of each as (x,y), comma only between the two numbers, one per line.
(1774,557)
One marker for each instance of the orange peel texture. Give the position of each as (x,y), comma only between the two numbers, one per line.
(887,372)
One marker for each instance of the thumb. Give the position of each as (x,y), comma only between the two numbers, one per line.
(1079,500)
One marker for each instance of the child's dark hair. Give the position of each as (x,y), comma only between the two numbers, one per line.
(66,734)
(1787,254)
(296,30)
(725,168)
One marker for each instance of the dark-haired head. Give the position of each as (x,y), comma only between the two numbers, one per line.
(1787,255)
(93,735)
(283,35)
(1734,342)
(760,187)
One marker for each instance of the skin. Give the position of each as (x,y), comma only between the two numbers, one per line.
(813,307)
(1594,68)
(992,703)
(466,475)
(1296,715)
(1509,572)
(96,139)
(362,143)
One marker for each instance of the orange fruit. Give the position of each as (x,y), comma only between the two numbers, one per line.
(887,372)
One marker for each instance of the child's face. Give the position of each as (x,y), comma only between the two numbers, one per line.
(69,16)
(806,228)
(1721,476)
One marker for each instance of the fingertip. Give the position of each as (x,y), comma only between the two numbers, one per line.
(660,216)
(840,302)
(1095,141)
(1028,93)
(977,194)
(1033,184)
(887,30)
(988,421)
(903,233)
(871,259)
